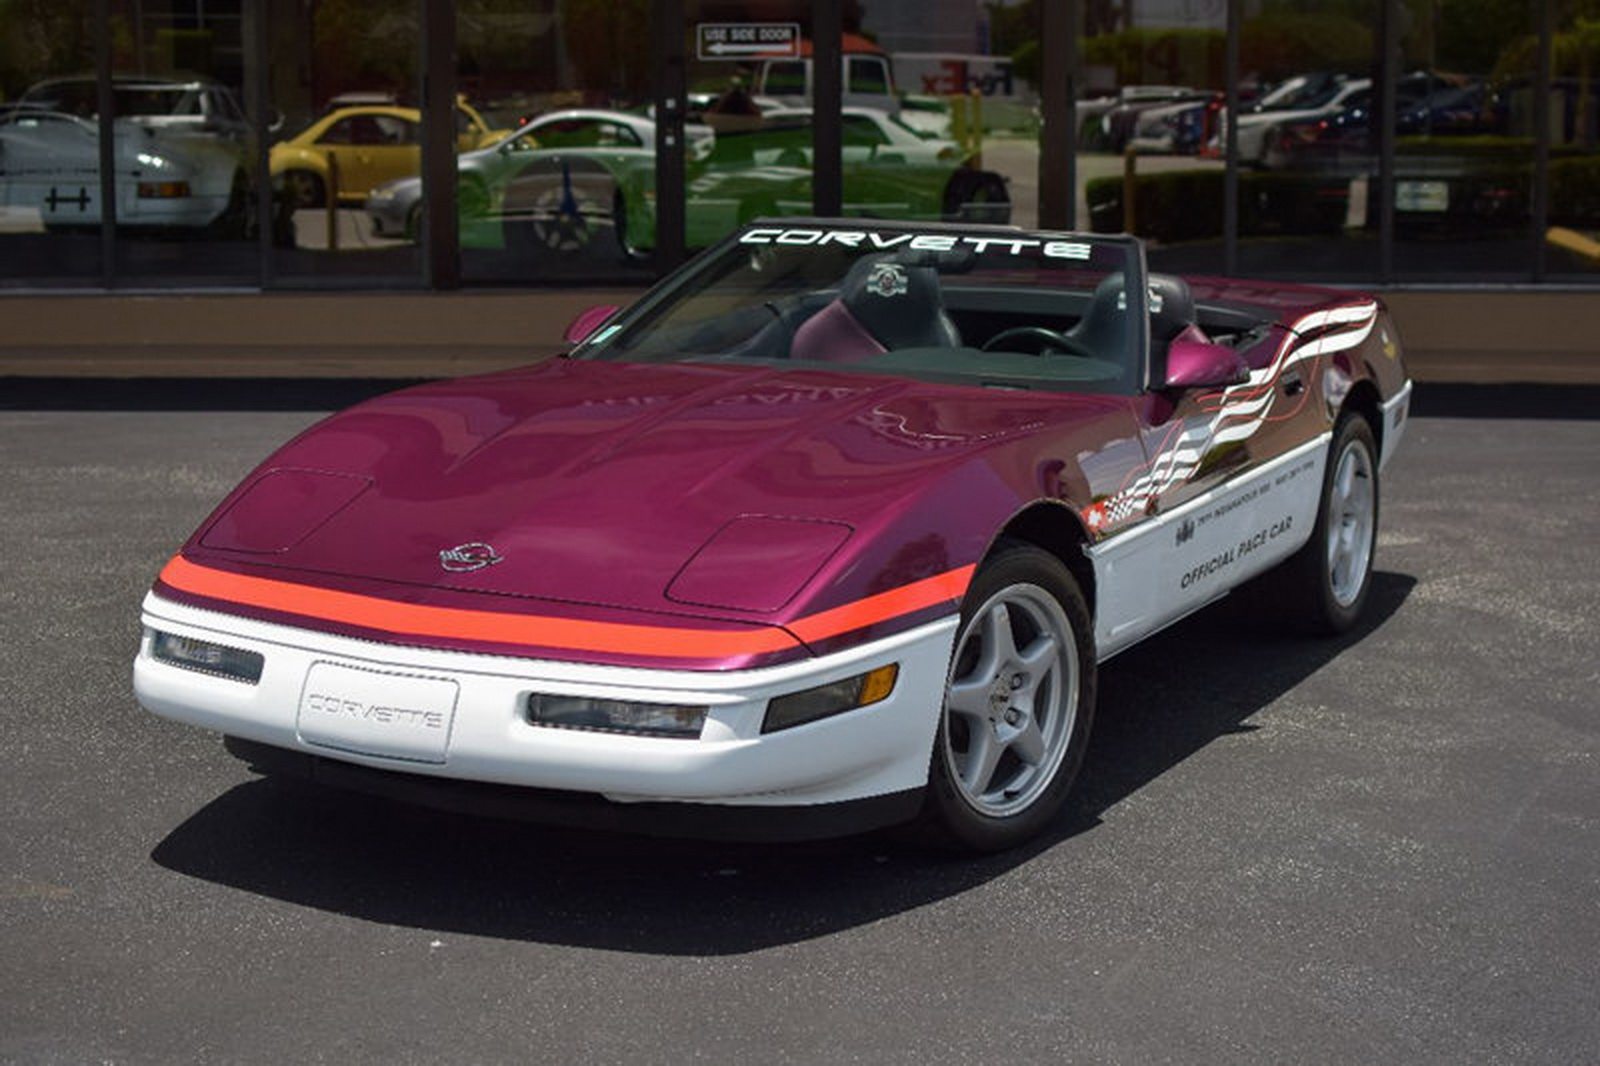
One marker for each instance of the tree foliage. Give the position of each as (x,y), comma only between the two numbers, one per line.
(1281,44)
(50,38)
(608,43)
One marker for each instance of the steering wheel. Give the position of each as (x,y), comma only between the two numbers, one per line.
(1045,338)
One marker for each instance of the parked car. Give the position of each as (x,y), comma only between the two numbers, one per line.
(892,169)
(1106,122)
(831,530)
(624,140)
(1348,141)
(179,145)
(1300,99)
(1182,128)
(369,145)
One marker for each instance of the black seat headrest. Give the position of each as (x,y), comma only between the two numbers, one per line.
(1103,327)
(1171,307)
(898,303)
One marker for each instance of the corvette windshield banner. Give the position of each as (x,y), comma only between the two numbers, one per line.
(919,242)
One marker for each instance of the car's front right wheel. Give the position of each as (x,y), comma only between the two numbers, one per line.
(1019,701)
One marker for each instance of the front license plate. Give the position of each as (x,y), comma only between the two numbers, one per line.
(373,712)
(1431,196)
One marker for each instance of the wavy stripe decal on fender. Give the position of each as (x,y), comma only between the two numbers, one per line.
(1237,412)
(663,642)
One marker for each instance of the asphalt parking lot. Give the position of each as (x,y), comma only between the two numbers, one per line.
(1384,848)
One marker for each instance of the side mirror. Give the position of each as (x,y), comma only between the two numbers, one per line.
(589,320)
(1194,363)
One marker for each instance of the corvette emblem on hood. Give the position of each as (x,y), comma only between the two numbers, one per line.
(464,558)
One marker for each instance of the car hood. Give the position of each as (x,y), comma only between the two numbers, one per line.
(597,482)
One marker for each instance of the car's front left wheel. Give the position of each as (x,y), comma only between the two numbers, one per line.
(1018,705)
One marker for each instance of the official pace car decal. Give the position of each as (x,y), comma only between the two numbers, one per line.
(1234,414)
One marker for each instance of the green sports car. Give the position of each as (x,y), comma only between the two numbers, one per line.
(570,179)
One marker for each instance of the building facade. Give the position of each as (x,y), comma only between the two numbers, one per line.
(363,144)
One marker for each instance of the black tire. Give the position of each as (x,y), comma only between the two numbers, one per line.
(977,196)
(304,188)
(1001,801)
(1320,598)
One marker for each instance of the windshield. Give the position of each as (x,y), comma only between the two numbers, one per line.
(972,305)
(1302,94)
(78,98)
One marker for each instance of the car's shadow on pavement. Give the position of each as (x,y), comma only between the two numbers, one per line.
(347,853)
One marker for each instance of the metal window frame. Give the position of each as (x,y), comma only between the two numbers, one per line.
(105,104)
(670,89)
(827,102)
(1060,24)
(441,237)
(1543,85)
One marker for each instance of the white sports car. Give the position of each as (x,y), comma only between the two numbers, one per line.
(168,173)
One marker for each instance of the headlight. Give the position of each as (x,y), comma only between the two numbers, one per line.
(836,697)
(615,716)
(204,657)
(382,192)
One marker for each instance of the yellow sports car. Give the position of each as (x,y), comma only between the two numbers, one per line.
(368,146)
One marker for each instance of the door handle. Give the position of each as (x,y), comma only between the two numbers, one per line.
(1292,384)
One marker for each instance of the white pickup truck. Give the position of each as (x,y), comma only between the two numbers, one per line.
(867,81)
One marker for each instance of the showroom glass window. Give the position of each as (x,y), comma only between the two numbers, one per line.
(1464,142)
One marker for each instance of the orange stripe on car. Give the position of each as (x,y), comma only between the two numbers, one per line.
(947,587)
(667,642)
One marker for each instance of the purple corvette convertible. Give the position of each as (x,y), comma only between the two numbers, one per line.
(830,530)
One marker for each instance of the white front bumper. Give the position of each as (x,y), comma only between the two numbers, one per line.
(871,751)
